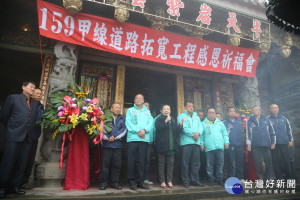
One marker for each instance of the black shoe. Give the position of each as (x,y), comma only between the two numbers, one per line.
(143,186)
(116,186)
(2,193)
(17,191)
(132,186)
(186,185)
(210,183)
(198,184)
(102,186)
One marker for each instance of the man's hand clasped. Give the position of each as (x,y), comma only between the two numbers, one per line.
(142,133)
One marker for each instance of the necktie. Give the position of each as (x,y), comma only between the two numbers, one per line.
(28,102)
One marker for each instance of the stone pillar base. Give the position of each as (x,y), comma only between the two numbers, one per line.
(49,174)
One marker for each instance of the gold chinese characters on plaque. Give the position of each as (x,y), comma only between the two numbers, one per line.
(45,78)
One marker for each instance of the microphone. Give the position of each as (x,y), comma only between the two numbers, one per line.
(169,122)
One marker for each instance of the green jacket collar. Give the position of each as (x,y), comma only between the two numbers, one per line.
(186,112)
(143,108)
(206,120)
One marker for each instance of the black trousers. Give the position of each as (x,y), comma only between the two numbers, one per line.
(202,171)
(281,162)
(13,163)
(147,162)
(190,163)
(264,153)
(30,162)
(111,163)
(235,161)
(136,153)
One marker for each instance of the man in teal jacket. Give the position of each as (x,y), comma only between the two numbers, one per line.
(139,123)
(190,146)
(214,139)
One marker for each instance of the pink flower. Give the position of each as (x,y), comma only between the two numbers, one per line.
(65,110)
(245,119)
(74,105)
(76,111)
(60,114)
(94,101)
(68,99)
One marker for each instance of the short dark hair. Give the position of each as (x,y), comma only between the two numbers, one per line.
(210,108)
(200,111)
(27,82)
(163,105)
(37,88)
(139,94)
(147,102)
(188,102)
(114,104)
(230,108)
(219,114)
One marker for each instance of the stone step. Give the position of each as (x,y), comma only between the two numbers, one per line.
(155,192)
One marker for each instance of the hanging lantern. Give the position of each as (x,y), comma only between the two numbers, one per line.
(73,6)
(121,11)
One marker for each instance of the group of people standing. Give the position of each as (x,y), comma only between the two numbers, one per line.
(267,137)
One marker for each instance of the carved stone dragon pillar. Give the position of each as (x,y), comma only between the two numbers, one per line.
(48,172)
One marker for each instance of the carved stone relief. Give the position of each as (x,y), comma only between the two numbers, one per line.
(248,91)
(233,40)
(65,67)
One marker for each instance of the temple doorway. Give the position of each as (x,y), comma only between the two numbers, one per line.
(157,87)
(17,67)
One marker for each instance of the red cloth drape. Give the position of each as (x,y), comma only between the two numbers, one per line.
(78,164)
(250,170)
(96,164)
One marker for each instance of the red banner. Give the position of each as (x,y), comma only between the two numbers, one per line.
(144,43)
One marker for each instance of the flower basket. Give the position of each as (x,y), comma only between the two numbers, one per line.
(78,118)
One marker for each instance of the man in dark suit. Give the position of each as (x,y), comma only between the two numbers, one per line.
(37,95)
(19,116)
